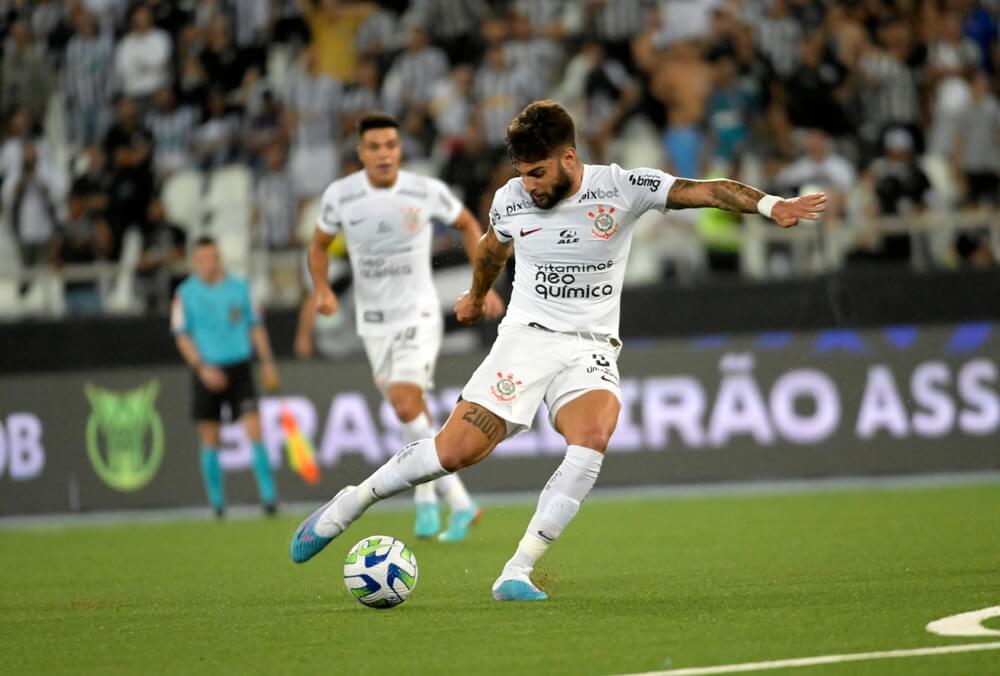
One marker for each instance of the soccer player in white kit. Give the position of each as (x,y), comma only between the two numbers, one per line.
(571,226)
(385,215)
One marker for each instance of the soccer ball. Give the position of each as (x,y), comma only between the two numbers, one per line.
(380,571)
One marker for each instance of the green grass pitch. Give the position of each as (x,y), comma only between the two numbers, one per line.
(636,585)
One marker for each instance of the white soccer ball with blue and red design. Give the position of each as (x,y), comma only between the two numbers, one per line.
(380,571)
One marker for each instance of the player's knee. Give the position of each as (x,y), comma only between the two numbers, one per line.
(451,457)
(252,424)
(595,437)
(407,405)
(454,454)
(208,434)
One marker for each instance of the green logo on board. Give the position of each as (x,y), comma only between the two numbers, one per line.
(125,435)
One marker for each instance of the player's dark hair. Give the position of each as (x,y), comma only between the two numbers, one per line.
(376,121)
(539,131)
(204,240)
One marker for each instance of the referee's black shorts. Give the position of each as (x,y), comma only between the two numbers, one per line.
(240,394)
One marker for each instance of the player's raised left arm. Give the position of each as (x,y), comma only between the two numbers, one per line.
(731,195)
(472,233)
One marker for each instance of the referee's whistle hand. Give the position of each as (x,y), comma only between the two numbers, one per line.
(326,301)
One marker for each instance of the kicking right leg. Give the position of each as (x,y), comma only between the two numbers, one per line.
(470,434)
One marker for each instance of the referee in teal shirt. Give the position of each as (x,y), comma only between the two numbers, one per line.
(217,330)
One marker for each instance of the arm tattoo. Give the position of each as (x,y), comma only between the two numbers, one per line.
(484,422)
(486,270)
(720,193)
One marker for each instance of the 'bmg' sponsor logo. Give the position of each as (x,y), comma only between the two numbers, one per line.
(645,180)
(125,436)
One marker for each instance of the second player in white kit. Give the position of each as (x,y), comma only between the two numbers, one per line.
(386,216)
(571,227)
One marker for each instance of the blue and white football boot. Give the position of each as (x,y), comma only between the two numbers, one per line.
(428,521)
(307,543)
(459,523)
(517,588)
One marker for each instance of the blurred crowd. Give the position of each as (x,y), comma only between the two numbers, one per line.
(890,105)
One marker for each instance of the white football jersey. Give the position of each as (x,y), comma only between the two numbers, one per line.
(388,233)
(570,259)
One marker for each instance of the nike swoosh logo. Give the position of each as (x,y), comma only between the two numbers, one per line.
(355,221)
(546,537)
(525,233)
(610,380)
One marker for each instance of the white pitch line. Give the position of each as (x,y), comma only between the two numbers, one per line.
(821,659)
(966,624)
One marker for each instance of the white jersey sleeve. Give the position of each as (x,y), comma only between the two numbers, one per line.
(329,214)
(445,207)
(500,229)
(644,188)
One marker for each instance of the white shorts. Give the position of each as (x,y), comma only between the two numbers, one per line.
(408,356)
(527,366)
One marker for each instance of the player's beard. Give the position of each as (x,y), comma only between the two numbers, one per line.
(559,190)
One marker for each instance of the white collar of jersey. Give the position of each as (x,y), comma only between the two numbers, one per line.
(374,188)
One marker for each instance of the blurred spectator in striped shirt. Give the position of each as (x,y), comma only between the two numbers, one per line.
(452,24)
(778,37)
(951,60)
(313,104)
(977,151)
(362,96)
(216,140)
(888,83)
(414,73)
(616,23)
(173,127)
(87,79)
(263,127)
(27,76)
(451,107)
(540,58)
(500,93)
(276,203)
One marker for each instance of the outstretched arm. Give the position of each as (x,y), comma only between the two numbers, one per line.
(730,195)
(491,256)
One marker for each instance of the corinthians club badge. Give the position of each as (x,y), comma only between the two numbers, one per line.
(604,224)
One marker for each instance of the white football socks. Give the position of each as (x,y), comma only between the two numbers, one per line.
(420,428)
(416,463)
(557,505)
(450,486)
